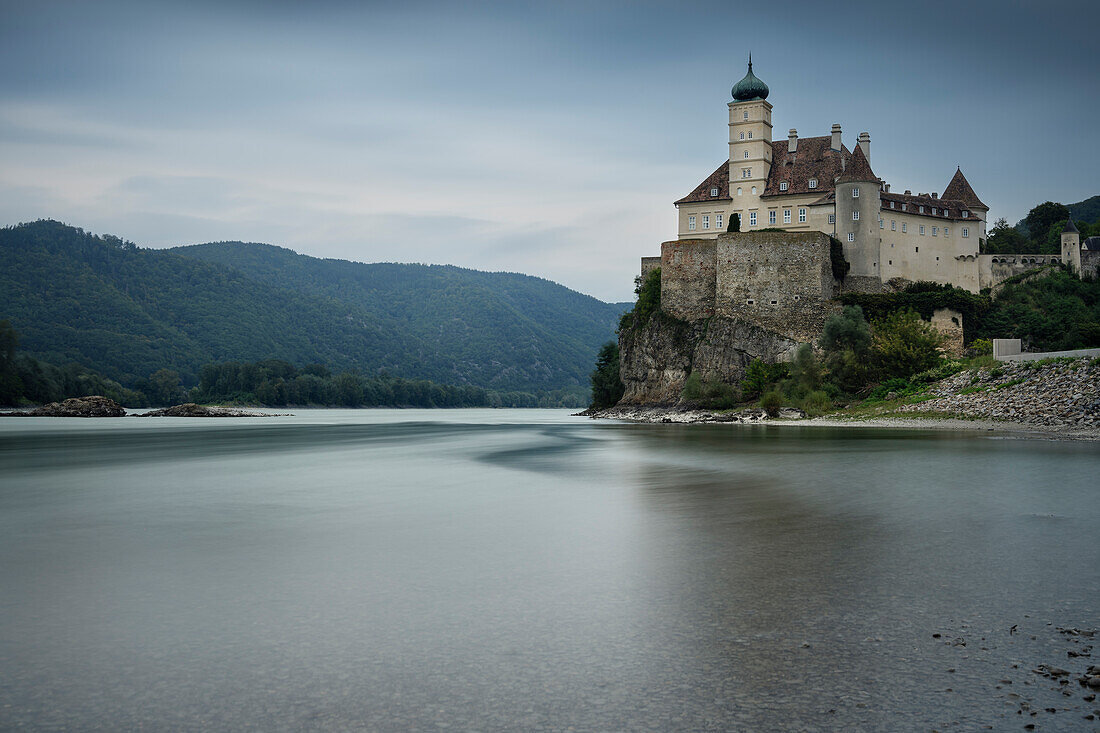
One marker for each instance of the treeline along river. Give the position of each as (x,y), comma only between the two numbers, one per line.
(528,570)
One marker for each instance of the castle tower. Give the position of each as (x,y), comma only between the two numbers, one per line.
(858,207)
(750,147)
(1071,247)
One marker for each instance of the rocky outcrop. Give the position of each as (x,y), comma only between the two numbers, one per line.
(656,359)
(750,416)
(94,406)
(190,409)
(1061,392)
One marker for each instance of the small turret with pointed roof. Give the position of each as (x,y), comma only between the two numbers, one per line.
(1070,227)
(749,87)
(857,169)
(959,190)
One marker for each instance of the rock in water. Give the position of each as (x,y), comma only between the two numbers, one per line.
(93,406)
(190,409)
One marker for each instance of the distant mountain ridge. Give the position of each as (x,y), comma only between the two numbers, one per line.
(128,311)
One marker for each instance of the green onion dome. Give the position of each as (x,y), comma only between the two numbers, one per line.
(750,87)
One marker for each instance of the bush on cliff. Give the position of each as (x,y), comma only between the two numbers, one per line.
(607,387)
(648,290)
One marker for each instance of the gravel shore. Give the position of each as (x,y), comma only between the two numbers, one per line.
(1059,399)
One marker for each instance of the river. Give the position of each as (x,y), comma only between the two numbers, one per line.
(403,570)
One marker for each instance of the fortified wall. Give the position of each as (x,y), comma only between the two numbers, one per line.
(781,281)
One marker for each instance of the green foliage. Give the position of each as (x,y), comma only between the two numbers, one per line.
(693,387)
(11,386)
(1005,239)
(711,394)
(128,312)
(760,377)
(980,347)
(771,401)
(846,341)
(648,290)
(840,266)
(1054,311)
(903,344)
(806,372)
(276,383)
(607,387)
(924,298)
(816,403)
(1041,218)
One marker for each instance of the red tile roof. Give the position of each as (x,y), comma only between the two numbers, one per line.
(813,159)
(945,208)
(858,169)
(960,190)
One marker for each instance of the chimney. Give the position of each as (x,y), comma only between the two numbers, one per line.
(865,145)
(908,192)
(887,188)
(935,195)
(836,138)
(792,140)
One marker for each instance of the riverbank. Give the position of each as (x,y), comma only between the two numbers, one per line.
(1057,398)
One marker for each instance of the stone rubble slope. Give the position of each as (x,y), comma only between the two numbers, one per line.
(1062,392)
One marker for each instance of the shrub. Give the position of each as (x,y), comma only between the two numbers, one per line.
(760,376)
(816,403)
(771,401)
(903,345)
(712,393)
(980,347)
(693,387)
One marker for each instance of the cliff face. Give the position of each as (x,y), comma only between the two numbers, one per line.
(656,359)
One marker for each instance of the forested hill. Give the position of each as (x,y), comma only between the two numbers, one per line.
(127,311)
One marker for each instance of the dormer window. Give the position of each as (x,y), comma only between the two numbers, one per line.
(891,204)
(922,209)
(714,192)
(905,207)
(933,211)
(782,185)
(966,214)
(812,183)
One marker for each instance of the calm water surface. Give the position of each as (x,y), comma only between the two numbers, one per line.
(528,570)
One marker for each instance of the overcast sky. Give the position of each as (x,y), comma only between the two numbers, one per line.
(548,138)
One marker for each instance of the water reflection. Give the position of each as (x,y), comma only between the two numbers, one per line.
(504,569)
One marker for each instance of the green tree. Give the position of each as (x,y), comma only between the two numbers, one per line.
(11,386)
(1040,219)
(760,377)
(846,341)
(806,373)
(1004,239)
(349,389)
(903,345)
(607,387)
(165,387)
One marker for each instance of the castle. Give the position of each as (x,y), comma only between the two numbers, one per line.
(817,185)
